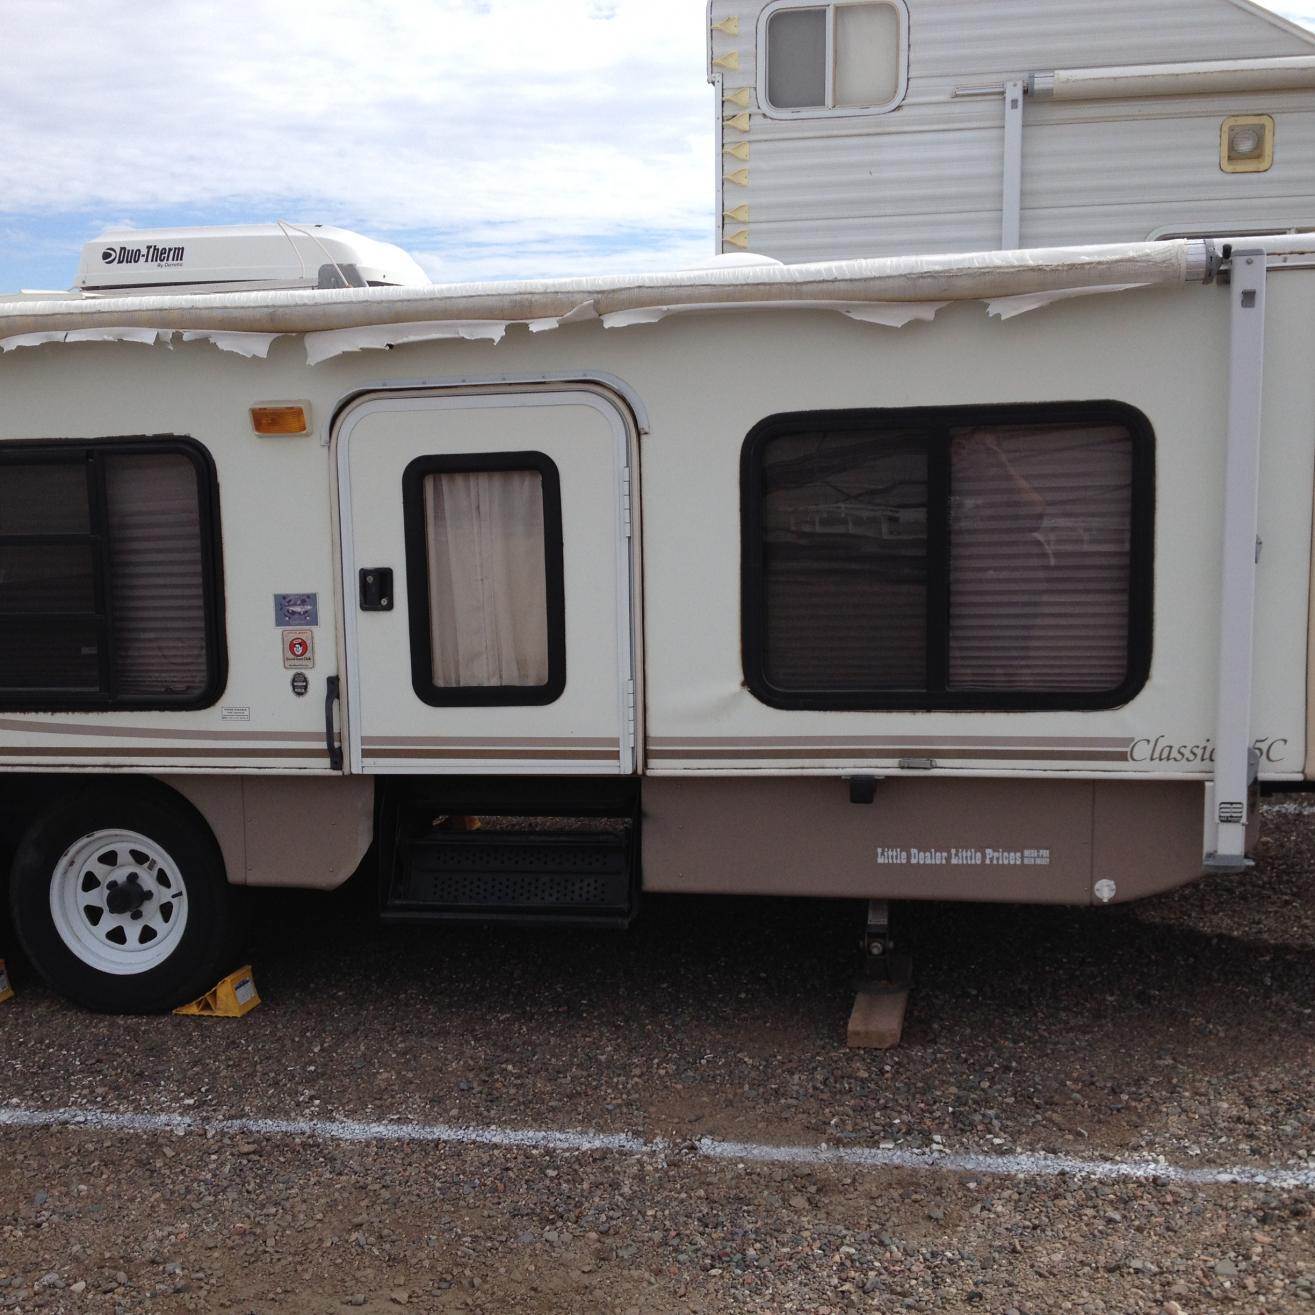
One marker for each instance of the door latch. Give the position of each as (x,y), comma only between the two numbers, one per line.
(376,589)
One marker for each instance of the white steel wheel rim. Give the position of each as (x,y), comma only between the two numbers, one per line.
(118,901)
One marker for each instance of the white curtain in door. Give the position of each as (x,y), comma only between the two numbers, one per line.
(488,594)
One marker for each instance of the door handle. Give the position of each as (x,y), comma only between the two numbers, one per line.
(330,739)
(376,588)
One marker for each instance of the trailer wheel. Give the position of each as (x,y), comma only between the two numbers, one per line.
(120,900)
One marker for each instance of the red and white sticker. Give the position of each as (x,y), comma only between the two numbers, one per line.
(298,650)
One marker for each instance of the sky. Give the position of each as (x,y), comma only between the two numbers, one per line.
(489,138)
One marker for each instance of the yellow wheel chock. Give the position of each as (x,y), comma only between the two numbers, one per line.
(234,996)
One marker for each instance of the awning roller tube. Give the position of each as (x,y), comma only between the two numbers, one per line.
(966,276)
(1132,81)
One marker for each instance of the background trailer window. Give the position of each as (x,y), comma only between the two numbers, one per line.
(109,576)
(845,57)
(948,559)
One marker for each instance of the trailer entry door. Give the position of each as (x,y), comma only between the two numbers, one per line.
(486,560)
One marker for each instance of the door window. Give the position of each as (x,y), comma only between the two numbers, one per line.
(484,572)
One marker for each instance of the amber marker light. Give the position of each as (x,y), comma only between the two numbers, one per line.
(284,419)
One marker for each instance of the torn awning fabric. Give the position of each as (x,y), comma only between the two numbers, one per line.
(890,291)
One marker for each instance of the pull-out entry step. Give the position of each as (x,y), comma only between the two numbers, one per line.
(519,875)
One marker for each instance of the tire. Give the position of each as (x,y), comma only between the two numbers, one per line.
(120,900)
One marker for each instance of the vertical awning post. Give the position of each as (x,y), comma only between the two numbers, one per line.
(1234,757)
(1011,206)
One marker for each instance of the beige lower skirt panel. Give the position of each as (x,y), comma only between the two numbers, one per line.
(1026,841)
(309,832)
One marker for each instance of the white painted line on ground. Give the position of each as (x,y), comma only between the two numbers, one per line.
(350,1130)
(1300,810)
(1021,1164)
(1016,1165)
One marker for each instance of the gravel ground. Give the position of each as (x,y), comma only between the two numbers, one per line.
(1182,1027)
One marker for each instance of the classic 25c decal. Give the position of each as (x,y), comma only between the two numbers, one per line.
(1161,750)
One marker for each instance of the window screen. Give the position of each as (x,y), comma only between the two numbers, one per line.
(484,569)
(156,574)
(845,543)
(796,58)
(109,589)
(835,56)
(1040,557)
(948,559)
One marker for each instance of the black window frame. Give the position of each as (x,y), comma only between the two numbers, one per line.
(417,580)
(91,452)
(938,697)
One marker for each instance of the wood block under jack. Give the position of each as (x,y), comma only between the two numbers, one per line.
(877,1019)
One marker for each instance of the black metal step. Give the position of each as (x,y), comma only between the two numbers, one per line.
(574,876)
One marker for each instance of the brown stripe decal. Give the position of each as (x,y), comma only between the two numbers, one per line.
(23,727)
(890,741)
(484,742)
(182,751)
(475,755)
(768,754)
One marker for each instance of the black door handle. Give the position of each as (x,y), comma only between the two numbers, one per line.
(376,588)
(330,739)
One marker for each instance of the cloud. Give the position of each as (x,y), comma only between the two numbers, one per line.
(398,113)
(591,117)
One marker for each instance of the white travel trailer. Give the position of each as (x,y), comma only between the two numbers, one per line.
(976,577)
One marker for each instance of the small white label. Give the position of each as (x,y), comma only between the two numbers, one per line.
(235,713)
(1105,890)
(244,990)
